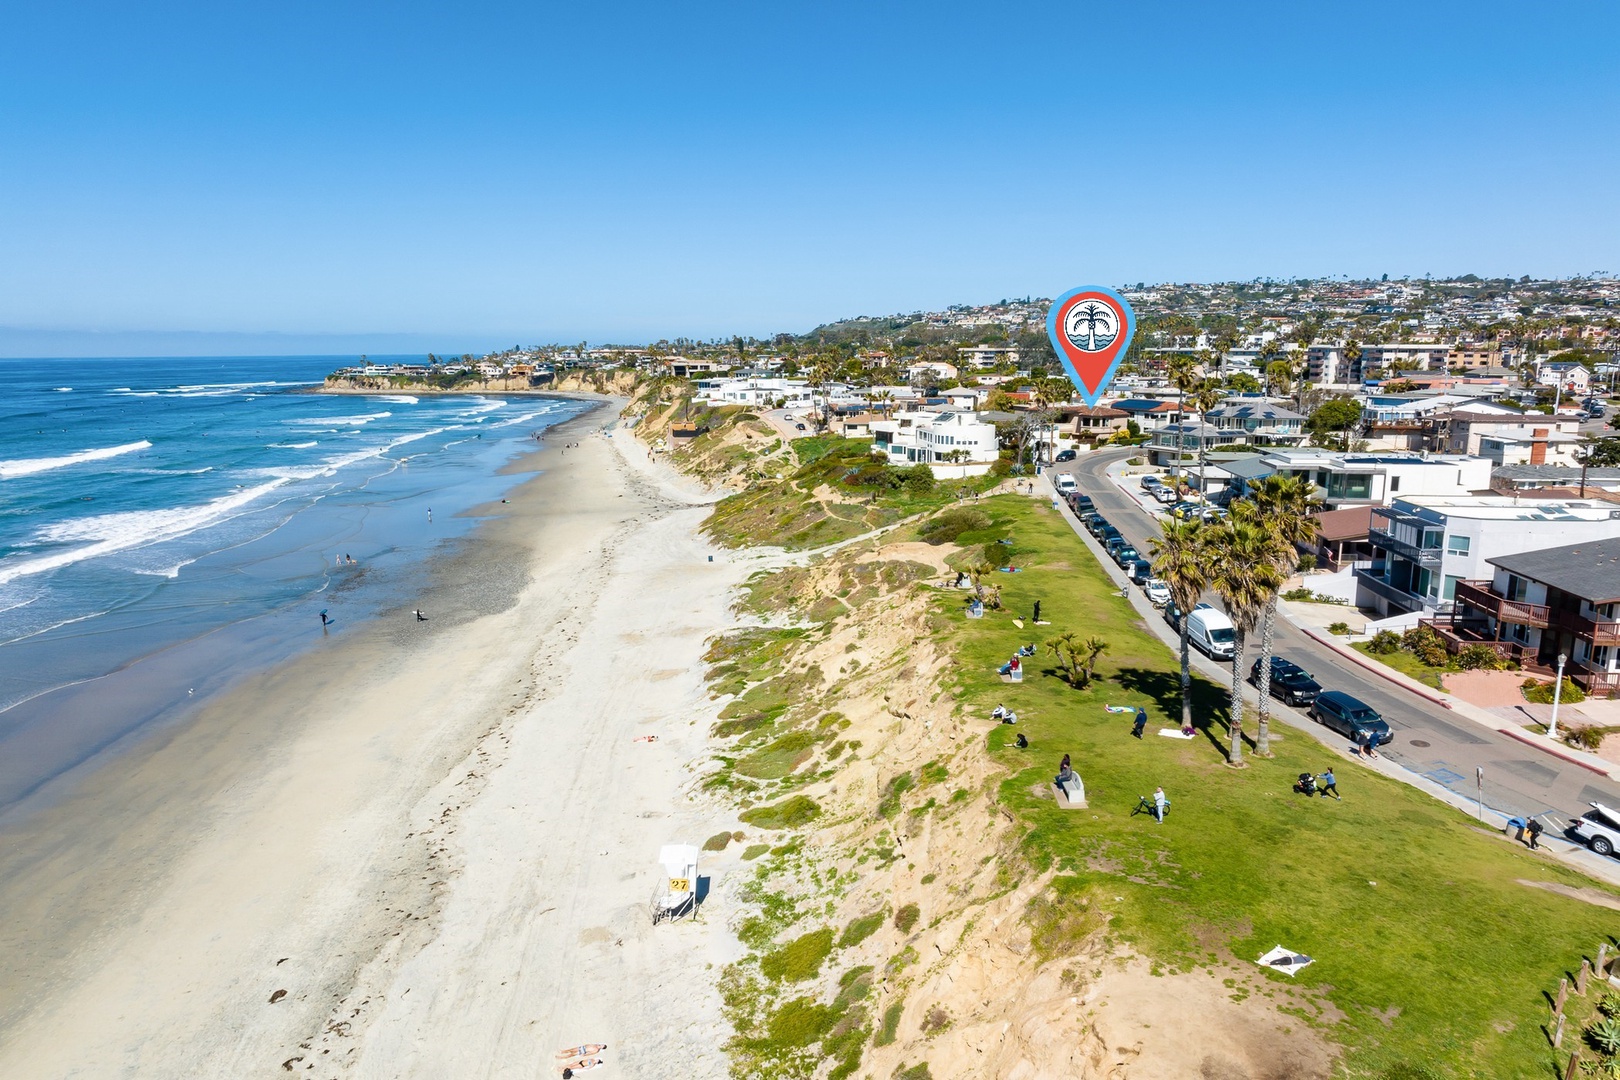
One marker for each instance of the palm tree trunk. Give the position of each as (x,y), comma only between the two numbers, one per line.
(1262,731)
(1186,678)
(1235,705)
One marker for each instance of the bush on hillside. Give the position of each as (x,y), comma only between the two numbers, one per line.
(945,527)
(918,479)
(1481,658)
(1423,643)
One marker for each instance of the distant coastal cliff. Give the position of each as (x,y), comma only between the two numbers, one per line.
(596,381)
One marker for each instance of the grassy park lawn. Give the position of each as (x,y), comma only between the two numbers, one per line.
(1407,664)
(1428,953)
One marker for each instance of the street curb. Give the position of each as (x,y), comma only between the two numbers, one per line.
(1375,667)
(1528,741)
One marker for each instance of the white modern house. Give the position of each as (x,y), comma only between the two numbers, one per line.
(954,444)
(987,356)
(1427,545)
(1345,480)
(755,393)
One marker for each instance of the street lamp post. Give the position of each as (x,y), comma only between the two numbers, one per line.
(1558,689)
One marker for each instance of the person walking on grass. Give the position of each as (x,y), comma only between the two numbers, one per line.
(1141,723)
(1036,618)
(1532,833)
(1160,804)
(1328,785)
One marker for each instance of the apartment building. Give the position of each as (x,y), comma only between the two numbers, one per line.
(1536,605)
(1425,546)
(987,356)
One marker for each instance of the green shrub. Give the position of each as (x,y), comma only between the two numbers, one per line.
(1541,693)
(860,929)
(1299,595)
(717,842)
(1307,562)
(1423,643)
(799,959)
(919,479)
(1385,642)
(787,814)
(906,918)
(916,1072)
(1480,658)
(754,851)
(889,805)
(891,1024)
(934,773)
(945,527)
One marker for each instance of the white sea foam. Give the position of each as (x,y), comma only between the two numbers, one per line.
(521,419)
(342,461)
(64,389)
(482,405)
(400,399)
(344,421)
(105,534)
(29,466)
(169,472)
(295,445)
(199,389)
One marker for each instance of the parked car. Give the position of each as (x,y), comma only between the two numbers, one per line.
(1095,524)
(1185,511)
(1165,494)
(1156,591)
(1066,455)
(1064,482)
(1598,829)
(1139,570)
(1089,518)
(1214,514)
(1081,503)
(1350,717)
(1109,533)
(1113,544)
(1172,614)
(1211,633)
(1124,555)
(1289,681)
(1151,481)
(798,427)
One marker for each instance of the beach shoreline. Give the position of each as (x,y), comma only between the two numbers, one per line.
(378,828)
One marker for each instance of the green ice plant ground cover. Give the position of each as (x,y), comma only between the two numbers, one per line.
(1429,954)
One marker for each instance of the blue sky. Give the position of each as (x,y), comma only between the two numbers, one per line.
(316,177)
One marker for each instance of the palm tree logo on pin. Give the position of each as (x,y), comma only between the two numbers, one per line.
(1091,327)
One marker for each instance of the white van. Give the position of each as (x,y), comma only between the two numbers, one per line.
(1211,633)
(1064,482)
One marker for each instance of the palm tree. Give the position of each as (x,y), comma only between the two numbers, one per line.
(1182,371)
(1208,395)
(1287,505)
(1244,572)
(1179,560)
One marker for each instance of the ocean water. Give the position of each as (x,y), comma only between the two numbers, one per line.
(148,504)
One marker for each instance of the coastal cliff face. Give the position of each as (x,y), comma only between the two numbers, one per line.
(895,922)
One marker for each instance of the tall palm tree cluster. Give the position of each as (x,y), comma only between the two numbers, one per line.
(1246,559)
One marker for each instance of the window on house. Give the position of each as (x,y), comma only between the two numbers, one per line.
(1519,632)
(1605,611)
(1394,483)
(1600,656)
(1431,539)
(1456,545)
(1449,592)
(1517,587)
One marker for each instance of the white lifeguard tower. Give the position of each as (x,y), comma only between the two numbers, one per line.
(676,895)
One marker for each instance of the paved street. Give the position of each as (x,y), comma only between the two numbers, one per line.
(1428,740)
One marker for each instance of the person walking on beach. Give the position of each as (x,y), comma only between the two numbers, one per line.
(430,515)
(1328,785)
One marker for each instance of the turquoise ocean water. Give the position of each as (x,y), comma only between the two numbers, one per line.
(148,505)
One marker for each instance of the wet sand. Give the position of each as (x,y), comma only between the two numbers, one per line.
(423,851)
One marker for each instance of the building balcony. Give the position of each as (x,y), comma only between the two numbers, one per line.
(1429,557)
(1379,587)
(1595,681)
(1597,631)
(1478,595)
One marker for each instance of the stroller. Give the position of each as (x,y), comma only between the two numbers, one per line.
(1306,784)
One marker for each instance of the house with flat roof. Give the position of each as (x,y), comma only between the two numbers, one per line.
(1425,546)
(1344,480)
(1257,422)
(952,443)
(1536,605)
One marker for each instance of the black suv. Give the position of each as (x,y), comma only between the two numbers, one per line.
(1289,682)
(1350,717)
(1081,503)
(1066,455)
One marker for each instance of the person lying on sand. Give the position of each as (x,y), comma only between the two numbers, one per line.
(645,738)
(588,1050)
(580,1066)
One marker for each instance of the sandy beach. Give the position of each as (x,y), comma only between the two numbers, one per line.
(425,851)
